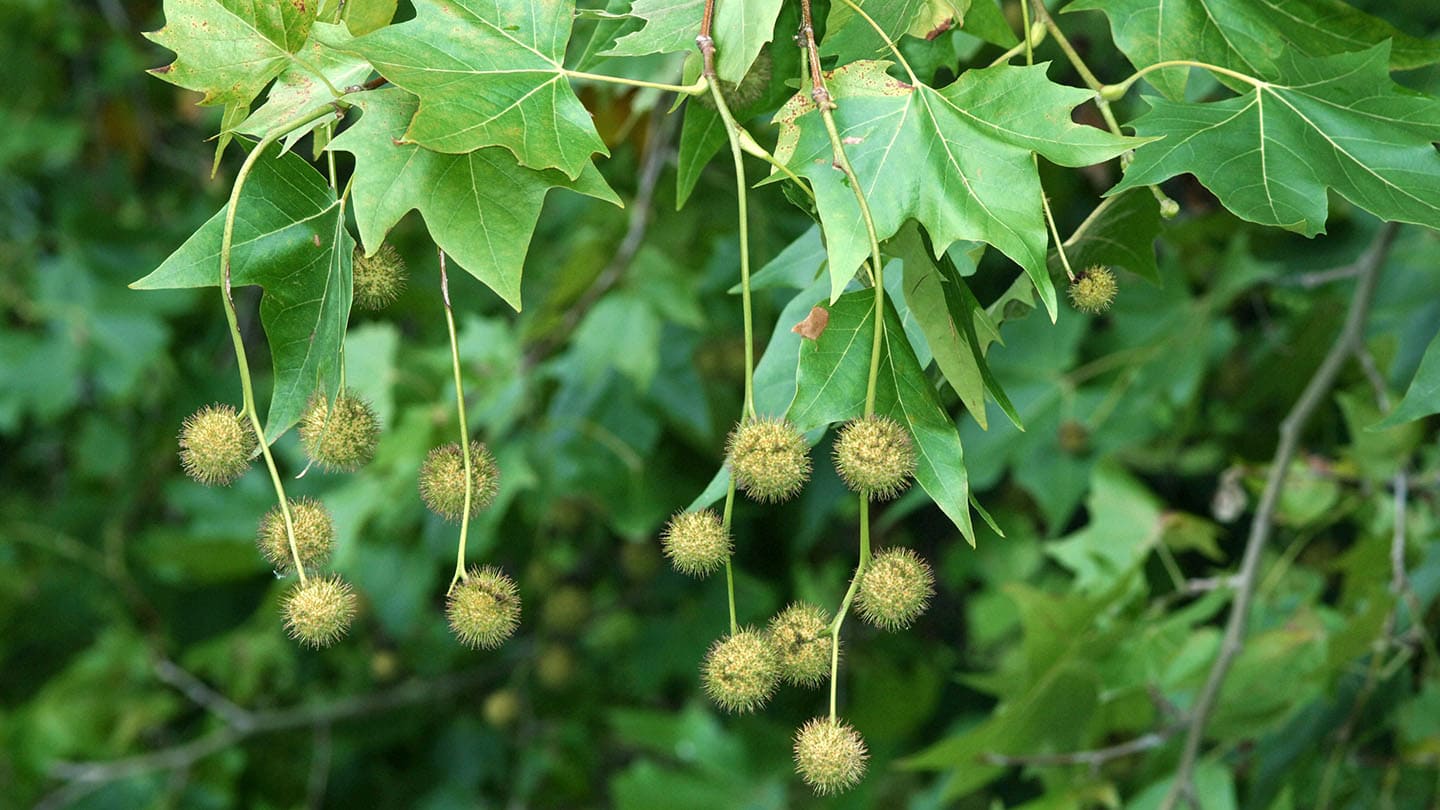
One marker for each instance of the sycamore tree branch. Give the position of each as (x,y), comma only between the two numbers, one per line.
(1291,428)
(1094,757)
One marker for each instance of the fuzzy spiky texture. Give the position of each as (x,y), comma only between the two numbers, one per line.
(379,279)
(875,457)
(342,438)
(318,613)
(442,480)
(895,589)
(741,671)
(215,445)
(1094,290)
(696,542)
(484,609)
(800,635)
(749,90)
(314,535)
(769,459)
(830,755)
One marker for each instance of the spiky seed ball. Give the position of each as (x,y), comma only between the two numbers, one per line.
(895,589)
(318,613)
(769,459)
(442,480)
(875,457)
(484,609)
(342,438)
(800,635)
(829,755)
(696,542)
(379,279)
(1093,290)
(215,445)
(314,535)
(741,671)
(749,90)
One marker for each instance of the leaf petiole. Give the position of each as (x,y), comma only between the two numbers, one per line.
(699,86)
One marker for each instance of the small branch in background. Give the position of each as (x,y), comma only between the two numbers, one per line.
(202,695)
(1094,757)
(322,747)
(1350,337)
(1372,373)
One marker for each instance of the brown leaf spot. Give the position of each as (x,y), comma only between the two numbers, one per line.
(315,237)
(944,26)
(813,325)
(851,140)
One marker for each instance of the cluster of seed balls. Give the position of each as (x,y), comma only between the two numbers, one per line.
(769,460)
(217,444)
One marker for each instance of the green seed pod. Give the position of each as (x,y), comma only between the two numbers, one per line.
(342,438)
(1094,290)
(829,755)
(484,609)
(769,459)
(215,445)
(696,542)
(800,635)
(875,457)
(318,613)
(379,279)
(741,671)
(314,535)
(442,480)
(895,589)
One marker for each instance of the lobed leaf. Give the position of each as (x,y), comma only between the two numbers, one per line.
(741,29)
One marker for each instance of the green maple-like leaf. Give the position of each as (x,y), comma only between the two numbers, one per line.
(489,73)
(958,160)
(289,239)
(481,207)
(849,36)
(742,27)
(830,387)
(1270,154)
(298,90)
(230,49)
(1247,35)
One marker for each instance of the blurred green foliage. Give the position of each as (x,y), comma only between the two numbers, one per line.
(128,592)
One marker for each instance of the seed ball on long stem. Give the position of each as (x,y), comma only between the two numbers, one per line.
(215,445)
(741,671)
(801,637)
(318,613)
(875,457)
(1093,290)
(895,589)
(442,480)
(830,755)
(696,542)
(378,279)
(769,459)
(484,609)
(342,438)
(314,535)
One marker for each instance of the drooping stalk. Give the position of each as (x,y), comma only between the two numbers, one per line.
(461,574)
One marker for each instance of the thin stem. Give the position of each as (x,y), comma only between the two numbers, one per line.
(729,569)
(1031,40)
(247,389)
(1054,231)
(754,149)
(1112,92)
(461,574)
(899,57)
(695,89)
(1290,429)
(844,610)
(1025,21)
(1093,757)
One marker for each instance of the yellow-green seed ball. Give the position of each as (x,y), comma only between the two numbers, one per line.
(875,457)
(749,90)
(769,459)
(215,445)
(829,755)
(895,589)
(379,279)
(341,438)
(314,535)
(741,671)
(442,480)
(1094,290)
(800,635)
(484,610)
(565,609)
(696,542)
(318,613)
